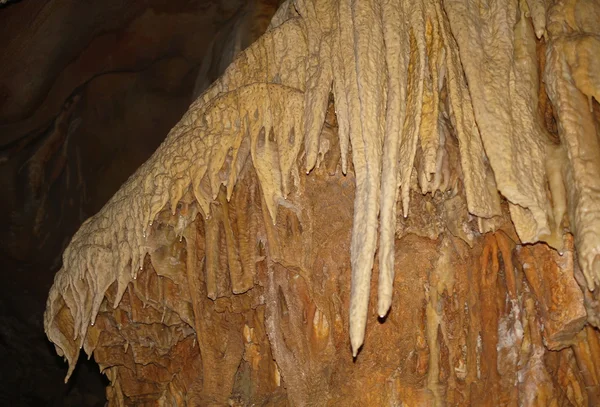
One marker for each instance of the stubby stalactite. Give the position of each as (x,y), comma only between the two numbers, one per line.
(221,274)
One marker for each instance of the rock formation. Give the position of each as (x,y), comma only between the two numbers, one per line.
(443,155)
(88,91)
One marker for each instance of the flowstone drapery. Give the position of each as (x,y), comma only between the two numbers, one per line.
(441,107)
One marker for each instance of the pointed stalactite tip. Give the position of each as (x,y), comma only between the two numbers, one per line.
(356,343)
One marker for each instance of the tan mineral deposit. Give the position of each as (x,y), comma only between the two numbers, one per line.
(368,208)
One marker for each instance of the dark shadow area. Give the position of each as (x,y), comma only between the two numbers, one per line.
(32,373)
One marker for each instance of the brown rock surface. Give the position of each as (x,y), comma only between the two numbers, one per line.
(220,274)
(466,324)
(559,298)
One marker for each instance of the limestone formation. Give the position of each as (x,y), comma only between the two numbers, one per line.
(228,269)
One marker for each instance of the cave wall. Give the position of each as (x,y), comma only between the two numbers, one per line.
(88,94)
(88,90)
(233,310)
(480,321)
(220,274)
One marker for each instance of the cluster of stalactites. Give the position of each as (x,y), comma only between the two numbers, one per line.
(398,70)
(398,80)
(253,114)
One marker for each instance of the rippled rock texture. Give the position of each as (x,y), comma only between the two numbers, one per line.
(88,90)
(378,203)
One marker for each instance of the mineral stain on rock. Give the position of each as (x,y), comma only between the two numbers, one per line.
(485,291)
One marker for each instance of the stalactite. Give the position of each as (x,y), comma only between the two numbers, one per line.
(572,84)
(212,241)
(367,149)
(441,96)
(396,37)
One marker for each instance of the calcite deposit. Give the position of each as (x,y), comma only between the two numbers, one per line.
(444,155)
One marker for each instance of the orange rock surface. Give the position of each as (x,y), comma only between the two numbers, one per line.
(221,274)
